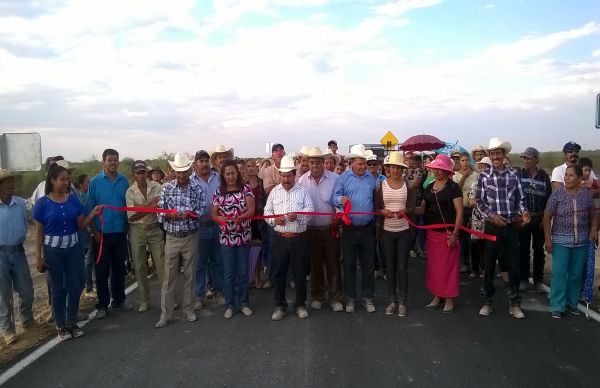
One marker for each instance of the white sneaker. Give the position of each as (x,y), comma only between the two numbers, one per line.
(315,305)
(401,310)
(337,307)
(228,313)
(161,323)
(391,308)
(516,312)
(369,306)
(302,312)
(247,311)
(350,307)
(278,315)
(191,317)
(486,310)
(144,306)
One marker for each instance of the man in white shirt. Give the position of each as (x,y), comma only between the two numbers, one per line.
(571,151)
(290,245)
(323,246)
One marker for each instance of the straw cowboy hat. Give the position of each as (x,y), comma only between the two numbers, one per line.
(396,159)
(287,164)
(181,162)
(486,160)
(303,151)
(442,162)
(4,174)
(358,151)
(64,164)
(315,152)
(337,157)
(478,147)
(496,143)
(220,150)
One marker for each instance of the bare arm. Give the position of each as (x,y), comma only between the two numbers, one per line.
(39,239)
(547,231)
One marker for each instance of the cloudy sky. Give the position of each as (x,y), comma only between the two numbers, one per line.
(146,76)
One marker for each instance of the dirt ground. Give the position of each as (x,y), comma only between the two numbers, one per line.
(32,338)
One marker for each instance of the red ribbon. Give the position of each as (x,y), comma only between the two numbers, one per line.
(344,216)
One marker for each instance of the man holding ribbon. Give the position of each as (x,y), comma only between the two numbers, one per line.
(290,244)
(357,186)
(109,188)
(186,203)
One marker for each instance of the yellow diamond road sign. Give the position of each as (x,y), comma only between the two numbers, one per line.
(389,140)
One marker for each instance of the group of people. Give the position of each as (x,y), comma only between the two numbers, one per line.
(203,217)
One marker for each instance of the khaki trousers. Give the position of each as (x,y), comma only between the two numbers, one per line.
(142,235)
(324,251)
(187,247)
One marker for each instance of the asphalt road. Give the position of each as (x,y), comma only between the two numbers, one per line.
(425,349)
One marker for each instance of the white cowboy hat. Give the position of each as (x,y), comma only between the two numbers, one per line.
(486,160)
(496,143)
(287,164)
(181,162)
(371,158)
(220,150)
(396,159)
(64,164)
(358,151)
(478,147)
(303,151)
(337,157)
(315,152)
(4,173)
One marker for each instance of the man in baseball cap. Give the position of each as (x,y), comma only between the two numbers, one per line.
(571,153)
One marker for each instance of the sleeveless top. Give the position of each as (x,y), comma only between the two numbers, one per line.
(394,200)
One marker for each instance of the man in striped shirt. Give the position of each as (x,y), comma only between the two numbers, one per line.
(500,196)
(290,244)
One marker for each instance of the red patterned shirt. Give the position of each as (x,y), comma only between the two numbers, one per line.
(233,204)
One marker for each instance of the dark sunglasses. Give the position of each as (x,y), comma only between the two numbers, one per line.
(371,164)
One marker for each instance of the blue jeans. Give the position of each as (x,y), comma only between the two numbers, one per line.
(235,269)
(209,253)
(14,273)
(567,272)
(65,266)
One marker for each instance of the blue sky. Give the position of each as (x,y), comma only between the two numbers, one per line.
(152,76)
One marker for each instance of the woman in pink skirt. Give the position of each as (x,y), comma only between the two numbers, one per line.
(442,204)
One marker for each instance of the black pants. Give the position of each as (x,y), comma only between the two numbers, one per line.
(359,241)
(290,251)
(465,238)
(396,246)
(112,264)
(507,238)
(532,234)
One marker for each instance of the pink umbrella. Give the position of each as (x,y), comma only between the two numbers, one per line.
(422,143)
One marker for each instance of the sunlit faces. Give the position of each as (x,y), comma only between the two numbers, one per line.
(219,159)
(572,178)
(183,177)
(529,162)
(439,174)
(359,166)
(203,166)
(278,153)
(587,171)
(111,163)
(464,162)
(287,179)
(339,169)
(251,167)
(304,167)
(61,183)
(329,164)
(316,167)
(139,176)
(497,157)
(7,186)
(477,155)
(231,176)
(395,171)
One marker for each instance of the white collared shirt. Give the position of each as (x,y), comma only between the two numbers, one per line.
(281,201)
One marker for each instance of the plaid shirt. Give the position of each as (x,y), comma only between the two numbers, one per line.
(500,192)
(191,198)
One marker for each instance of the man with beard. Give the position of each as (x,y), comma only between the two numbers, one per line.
(571,151)
(209,252)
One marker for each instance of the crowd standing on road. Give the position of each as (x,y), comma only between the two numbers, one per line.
(203,217)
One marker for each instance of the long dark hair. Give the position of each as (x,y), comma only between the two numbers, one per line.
(53,173)
(239,182)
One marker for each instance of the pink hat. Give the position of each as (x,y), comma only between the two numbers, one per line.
(442,162)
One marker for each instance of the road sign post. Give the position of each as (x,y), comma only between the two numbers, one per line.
(598,111)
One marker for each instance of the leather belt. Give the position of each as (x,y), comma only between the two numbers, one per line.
(289,234)
(182,234)
(11,248)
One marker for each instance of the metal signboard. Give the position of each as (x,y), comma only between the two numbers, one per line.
(389,140)
(21,151)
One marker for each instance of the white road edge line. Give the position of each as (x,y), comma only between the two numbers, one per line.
(45,348)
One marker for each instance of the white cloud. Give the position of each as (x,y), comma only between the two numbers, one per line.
(399,7)
(489,6)
(113,80)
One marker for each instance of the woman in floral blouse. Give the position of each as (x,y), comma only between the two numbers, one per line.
(233,203)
